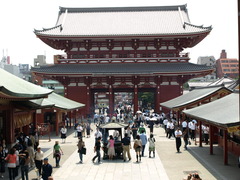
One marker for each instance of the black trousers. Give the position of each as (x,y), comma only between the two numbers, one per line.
(178,143)
(39,166)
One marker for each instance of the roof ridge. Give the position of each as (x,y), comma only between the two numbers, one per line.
(122,9)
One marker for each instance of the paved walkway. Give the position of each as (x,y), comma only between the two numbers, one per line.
(166,165)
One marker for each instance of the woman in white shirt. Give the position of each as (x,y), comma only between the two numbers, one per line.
(63,134)
(39,159)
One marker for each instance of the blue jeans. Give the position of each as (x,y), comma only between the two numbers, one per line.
(24,172)
(57,158)
(98,155)
(80,156)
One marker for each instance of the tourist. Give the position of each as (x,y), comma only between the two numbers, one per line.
(170,127)
(46,169)
(141,128)
(116,135)
(126,143)
(79,131)
(57,153)
(151,126)
(128,131)
(97,149)
(178,135)
(63,133)
(39,160)
(185,138)
(80,145)
(11,160)
(31,154)
(151,141)
(95,118)
(111,148)
(192,127)
(143,138)
(134,130)
(83,129)
(24,164)
(88,129)
(138,147)
(205,130)
(184,125)
(2,162)
(165,122)
(97,135)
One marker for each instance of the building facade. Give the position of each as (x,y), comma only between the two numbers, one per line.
(227,66)
(122,49)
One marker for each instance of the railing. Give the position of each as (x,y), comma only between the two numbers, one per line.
(124,60)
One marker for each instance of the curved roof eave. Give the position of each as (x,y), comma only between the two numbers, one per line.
(40,34)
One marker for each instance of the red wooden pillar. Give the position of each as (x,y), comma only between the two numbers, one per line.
(111,100)
(88,100)
(70,118)
(135,98)
(10,126)
(157,104)
(225,147)
(211,139)
(200,133)
(57,121)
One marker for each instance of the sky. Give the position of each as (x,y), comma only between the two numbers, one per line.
(19,18)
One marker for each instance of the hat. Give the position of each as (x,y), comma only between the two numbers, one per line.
(38,147)
(45,159)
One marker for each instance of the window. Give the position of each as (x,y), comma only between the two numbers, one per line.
(226,70)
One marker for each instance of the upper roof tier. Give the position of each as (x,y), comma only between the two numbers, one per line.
(123,21)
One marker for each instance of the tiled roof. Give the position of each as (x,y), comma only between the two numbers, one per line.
(123,21)
(222,112)
(122,68)
(58,101)
(191,97)
(12,86)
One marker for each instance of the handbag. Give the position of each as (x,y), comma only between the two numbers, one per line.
(83,151)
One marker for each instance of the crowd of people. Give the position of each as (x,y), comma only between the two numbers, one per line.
(27,153)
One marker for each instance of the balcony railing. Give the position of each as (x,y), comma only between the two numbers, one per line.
(183,59)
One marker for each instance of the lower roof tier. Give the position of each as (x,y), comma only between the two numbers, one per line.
(123,69)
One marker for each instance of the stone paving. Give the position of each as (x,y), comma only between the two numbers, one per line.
(166,165)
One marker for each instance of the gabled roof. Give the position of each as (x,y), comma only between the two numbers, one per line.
(123,21)
(58,101)
(122,68)
(192,97)
(226,81)
(13,87)
(223,112)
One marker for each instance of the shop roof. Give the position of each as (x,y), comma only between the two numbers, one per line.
(13,87)
(223,112)
(58,101)
(123,21)
(192,97)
